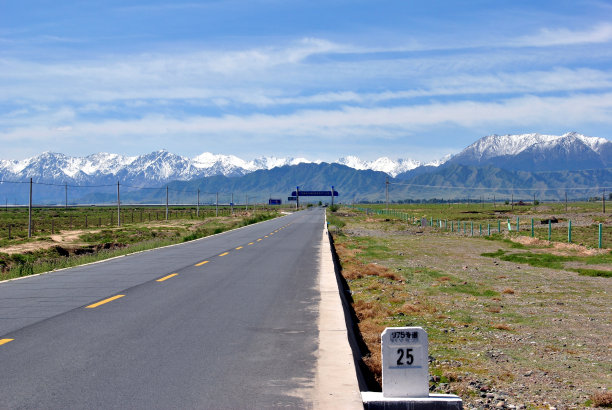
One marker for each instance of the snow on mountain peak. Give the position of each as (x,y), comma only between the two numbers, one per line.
(383,164)
(498,145)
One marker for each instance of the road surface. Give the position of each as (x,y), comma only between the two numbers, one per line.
(228,321)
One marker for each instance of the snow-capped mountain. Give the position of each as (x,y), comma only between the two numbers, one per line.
(537,152)
(527,152)
(383,164)
(161,166)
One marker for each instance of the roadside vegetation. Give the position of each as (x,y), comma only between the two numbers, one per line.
(513,321)
(67,247)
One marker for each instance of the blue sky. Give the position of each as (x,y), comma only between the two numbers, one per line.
(314,79)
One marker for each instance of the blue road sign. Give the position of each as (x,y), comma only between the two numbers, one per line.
(315,193)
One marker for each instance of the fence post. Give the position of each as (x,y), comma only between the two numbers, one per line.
(488,229)
(472,228)
(569,231)
(452,227)
(118,206)
(600,226)
(517,224)
(30,212)
(532,233)
(549,229)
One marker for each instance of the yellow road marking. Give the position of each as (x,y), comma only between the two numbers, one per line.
(251,243)
(105,301)
(5,341)
(224,253)
(201,263)
(259,240)
(265,236)
(240,247)
(167,277)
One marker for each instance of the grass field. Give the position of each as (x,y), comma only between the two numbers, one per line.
(74,236)
(513,321)
(484,219)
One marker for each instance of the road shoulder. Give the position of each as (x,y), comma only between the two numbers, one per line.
(336,383)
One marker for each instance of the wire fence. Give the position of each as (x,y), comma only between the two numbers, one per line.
(541,228)
(54,207)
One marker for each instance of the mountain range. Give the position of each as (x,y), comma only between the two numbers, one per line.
(494,162)
(160,167)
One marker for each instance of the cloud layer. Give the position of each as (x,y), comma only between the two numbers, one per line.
(297,95)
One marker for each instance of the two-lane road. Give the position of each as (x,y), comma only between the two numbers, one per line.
(229,321)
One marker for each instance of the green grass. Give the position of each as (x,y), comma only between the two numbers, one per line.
(478,214)
(128,239)
(593,272)
(546,260)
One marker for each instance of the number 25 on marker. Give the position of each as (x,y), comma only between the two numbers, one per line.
(405,357)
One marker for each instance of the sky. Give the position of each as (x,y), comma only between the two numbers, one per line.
(314,79)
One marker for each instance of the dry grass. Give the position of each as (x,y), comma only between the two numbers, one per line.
(489,323)
(603,399)
(493,309)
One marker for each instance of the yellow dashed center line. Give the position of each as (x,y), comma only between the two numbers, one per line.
(238,248)
(224,253)
(265,236)
(167,277)
(105,301)
(5,341)
(251,243)
(201,263)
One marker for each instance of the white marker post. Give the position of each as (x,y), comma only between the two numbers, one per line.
(405,374)
(405,367)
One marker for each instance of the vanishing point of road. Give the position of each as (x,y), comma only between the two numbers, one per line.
(229,321)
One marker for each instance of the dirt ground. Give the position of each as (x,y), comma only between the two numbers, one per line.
(502,334)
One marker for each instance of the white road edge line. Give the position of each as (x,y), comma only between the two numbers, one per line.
(137,252)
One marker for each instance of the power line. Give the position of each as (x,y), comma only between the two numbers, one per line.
(500,189)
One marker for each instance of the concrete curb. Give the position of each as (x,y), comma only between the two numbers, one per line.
(336,384)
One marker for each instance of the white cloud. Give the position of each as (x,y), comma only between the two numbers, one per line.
(601,33)
(357,123)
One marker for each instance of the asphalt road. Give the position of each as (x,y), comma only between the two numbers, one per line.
(239,331)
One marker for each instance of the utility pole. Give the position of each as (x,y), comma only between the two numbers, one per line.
(30,212)
(297,197)
(118,206)
(217,206)
(246,203)
(512,202)
(66,191)
(232,204)
(166,202)
(387,193)
(198,207)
